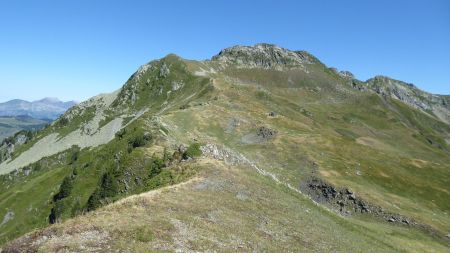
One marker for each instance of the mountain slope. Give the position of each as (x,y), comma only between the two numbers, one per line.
(295,155)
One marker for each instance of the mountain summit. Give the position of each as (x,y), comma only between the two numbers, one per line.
(263,55)
(258,149)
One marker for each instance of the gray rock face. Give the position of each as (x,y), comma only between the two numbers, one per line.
(266,133)
(412,96)
(164,71)
(8,146)
(21,139)
(8,216)
(346,74)
(221,153)
(47,108)
(263,56)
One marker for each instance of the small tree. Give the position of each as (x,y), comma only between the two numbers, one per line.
(140,140)
(63,121)
(75,156)
(94,201)
(155,167)
(56,212)
(29,135)
(121,133)
(76,209)
(109,186)
(166,156)
(65,189)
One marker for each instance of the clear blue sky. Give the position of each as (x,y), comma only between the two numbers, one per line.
(77,49)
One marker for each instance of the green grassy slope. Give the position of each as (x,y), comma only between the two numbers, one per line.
(379,148)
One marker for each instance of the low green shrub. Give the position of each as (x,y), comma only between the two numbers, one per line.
(192,151)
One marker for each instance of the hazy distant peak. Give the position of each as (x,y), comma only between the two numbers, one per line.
(52,100)
(46,108)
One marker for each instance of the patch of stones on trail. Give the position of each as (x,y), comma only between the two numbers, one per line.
(261,135)
(222,154)
(347,203)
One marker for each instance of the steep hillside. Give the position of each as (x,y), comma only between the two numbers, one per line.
(277,152)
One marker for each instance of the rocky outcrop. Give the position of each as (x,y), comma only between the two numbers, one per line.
(266,133)
(344,74)
(222,154)
(8,145)
(8,216)
(263,56)
(343,200)
(261,135)
(346,202)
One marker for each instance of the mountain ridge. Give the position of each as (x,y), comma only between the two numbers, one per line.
(330,150)
(272,56)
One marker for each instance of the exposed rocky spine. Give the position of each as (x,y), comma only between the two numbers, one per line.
(263,56)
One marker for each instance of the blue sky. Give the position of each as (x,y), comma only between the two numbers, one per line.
(77,49)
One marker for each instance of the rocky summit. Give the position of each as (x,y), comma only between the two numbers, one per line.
(260,149)
(263,56)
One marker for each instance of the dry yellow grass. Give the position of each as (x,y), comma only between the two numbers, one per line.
(224,209)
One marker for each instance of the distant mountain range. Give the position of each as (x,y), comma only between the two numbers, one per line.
(17,114)
(47,108)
